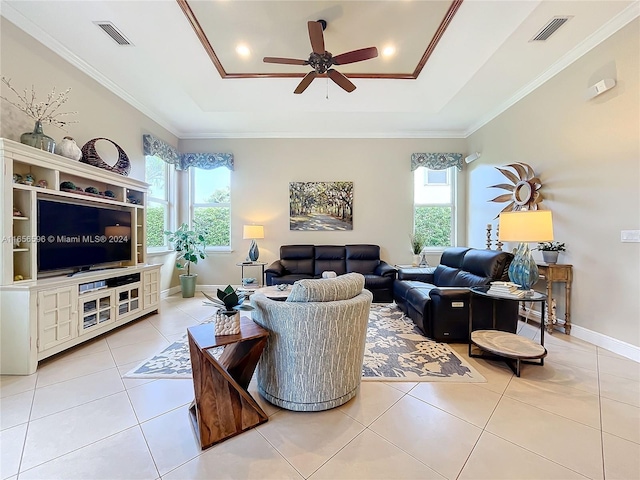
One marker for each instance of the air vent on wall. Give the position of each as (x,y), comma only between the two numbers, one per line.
(111,30)
(550,28)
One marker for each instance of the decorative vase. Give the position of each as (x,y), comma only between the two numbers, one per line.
(254,252)
(227,323)
(416,260)
(188,285)
(38,139)
(523,269)
(549,256)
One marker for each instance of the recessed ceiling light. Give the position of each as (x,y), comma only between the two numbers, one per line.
(388,51)
(243,50)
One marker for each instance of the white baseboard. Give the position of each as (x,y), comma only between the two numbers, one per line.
(600,340)
(612,344)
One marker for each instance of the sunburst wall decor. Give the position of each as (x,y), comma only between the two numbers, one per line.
(523,190)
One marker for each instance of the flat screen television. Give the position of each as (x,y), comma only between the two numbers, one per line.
(79,237)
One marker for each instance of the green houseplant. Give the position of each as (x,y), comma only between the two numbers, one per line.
(227,321)
(550,250)
(418,242)
(190,246)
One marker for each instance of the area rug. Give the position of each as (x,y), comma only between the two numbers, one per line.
(395,351)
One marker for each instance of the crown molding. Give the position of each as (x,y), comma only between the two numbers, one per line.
(26,25)
(355,135)
(621,20)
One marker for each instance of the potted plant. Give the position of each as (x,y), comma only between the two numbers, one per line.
(227,320)
(418,241)
(550,250)
(190,246)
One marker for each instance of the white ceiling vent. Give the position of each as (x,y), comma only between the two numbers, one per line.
(550,28)
(111,30)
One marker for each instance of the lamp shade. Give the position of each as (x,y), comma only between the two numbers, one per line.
(252,231)
(526,226)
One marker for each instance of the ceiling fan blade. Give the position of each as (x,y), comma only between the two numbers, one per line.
(316,36)
(341,80)
(355,56)
(287,61)
(302,86)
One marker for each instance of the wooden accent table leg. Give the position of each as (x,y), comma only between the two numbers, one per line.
(222,407)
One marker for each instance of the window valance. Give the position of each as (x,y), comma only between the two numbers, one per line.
(436,161)
(152,145)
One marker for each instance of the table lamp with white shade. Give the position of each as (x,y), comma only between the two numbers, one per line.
(253,232)
(525,226)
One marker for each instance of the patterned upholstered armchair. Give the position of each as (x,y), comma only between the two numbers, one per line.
(313,358)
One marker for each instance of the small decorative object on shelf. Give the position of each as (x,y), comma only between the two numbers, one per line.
(17,213)
(93,190)
(41,112)
(67,186)
(42,183)
(227,320)
(133,200)
(109,193)
(28,179)
(68,148)
(90,156)
(17,178)
(17,278)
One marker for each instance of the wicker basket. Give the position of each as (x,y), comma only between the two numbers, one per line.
(90,156)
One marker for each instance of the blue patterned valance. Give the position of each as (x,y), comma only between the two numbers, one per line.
(154,146)
(436,161)
(206,161)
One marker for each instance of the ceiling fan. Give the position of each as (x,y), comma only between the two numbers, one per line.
(321,61)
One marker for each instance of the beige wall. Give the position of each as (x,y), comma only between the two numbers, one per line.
(100,113)
(587,156)
(380,170)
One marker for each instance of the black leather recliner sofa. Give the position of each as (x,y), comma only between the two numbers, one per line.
(438,302)
(309,261)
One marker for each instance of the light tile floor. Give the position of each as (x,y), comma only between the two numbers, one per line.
(578,416)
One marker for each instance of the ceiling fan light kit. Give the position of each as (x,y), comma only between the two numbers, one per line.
(321,61)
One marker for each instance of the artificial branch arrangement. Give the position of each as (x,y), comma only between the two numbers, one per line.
(418,242)
(43,112)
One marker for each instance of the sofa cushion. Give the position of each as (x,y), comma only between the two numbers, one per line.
(363,259)
(329,258)
(343,287)
(297,259)
(444,276)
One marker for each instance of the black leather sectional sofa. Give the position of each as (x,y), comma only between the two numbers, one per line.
(438,301)
(310,261)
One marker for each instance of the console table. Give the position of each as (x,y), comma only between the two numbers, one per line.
(558,273)
(222,406)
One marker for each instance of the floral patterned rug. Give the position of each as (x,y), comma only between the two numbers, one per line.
(395,351)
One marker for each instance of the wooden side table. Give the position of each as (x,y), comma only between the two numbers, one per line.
(222,406)
(558,273)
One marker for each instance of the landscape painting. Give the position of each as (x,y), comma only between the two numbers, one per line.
(320,206)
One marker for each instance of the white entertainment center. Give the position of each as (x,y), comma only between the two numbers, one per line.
(44,314)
